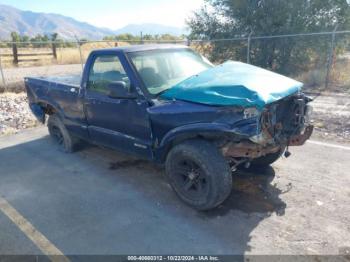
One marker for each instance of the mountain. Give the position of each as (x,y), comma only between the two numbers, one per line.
(150,29)
(33,23)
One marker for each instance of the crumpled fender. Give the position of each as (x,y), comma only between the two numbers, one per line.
(243,129)
(194,129)
(186,132)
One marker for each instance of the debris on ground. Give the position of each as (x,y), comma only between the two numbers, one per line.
(15,114)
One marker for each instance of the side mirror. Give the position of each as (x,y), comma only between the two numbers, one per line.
(119,90)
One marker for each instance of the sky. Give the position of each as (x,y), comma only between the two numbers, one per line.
(115,14)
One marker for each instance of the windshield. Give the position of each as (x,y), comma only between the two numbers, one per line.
(162,69)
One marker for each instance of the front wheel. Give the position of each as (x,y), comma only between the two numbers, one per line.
(199,174)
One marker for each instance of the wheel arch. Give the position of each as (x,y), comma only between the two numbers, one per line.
(212,132)
(41,108)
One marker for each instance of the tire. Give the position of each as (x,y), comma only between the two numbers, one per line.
(267,160)
(199,174)
(60,134)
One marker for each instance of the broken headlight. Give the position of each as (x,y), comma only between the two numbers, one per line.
(308,112)
(250,112)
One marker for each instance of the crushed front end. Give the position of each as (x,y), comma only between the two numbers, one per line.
(280,124)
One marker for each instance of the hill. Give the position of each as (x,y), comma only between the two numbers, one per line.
(151,29)
(34,23)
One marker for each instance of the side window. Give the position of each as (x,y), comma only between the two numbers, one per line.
(106,69)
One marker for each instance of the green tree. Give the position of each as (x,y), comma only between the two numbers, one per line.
(54,36)
(219,19)
(127,37)
(147,37)
(15,37)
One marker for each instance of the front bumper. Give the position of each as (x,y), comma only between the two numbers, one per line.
(281,124)
(250,150)
(300,140)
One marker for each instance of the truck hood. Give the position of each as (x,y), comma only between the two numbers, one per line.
(234,84)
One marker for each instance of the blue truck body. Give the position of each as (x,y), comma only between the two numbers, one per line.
(148,125)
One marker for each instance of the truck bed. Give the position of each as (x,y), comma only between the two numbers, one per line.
(65,80)
(58,91)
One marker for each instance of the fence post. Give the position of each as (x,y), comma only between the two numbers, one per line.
(15,53)
(330,58)
(54,50)
(2,75)
(80,53)
(248,46)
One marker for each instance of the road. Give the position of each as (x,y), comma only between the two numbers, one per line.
(97,201)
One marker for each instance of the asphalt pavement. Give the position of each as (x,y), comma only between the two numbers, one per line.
(98,201)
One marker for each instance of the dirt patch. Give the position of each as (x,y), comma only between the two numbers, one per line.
(332,128)
(331,116)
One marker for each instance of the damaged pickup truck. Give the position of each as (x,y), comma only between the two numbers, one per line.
(170,105)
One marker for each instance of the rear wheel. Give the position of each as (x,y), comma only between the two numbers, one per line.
(199,174)
(60,134)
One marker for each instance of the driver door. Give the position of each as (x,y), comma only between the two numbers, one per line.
(120,123)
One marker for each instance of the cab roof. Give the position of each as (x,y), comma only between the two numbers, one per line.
(138,48)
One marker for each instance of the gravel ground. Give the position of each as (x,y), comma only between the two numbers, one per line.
(15,114)
(331,117)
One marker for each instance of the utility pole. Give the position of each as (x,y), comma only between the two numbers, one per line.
(80,53)
(330,57)
(2,75)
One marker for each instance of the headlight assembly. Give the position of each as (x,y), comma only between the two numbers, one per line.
(250,112)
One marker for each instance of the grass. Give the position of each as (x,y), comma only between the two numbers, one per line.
(339,77)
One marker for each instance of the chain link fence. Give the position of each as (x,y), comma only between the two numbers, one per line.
(320,60)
